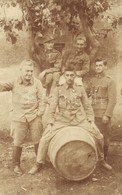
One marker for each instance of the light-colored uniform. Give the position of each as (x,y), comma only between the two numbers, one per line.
(28,107)
(74,109)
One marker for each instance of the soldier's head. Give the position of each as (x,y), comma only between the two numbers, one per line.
(80,43)
(100,65)
(27,69)
(48,42)
(69,75)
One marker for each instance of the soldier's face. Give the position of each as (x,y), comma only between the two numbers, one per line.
(100,67)
(49,45)
(69,77)
(80,45)
(27,72)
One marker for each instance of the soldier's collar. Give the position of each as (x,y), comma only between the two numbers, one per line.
(70,86)
(47,50)
(100,75)
(79,52)
(21,81)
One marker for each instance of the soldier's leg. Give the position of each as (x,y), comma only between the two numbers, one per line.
(43,146)
(96,135)
(42,151)
(18,132)
(105,130)
(55,80)
(48,83)
(99,141)
(49,78)
(42,77)
(36,130)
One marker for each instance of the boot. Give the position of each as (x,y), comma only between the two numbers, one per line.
(35,169)
(104,164)
(16,159)
(36,148)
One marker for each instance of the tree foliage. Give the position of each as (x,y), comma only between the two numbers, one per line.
(41,16)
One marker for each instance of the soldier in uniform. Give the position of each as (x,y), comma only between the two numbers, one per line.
(74,109)
(51,66)
(78,59)
(102,92)
(28,108)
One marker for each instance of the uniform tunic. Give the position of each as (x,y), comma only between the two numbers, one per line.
(52,60)
(78,60)
(28,105)
(102,92)
(73,105)
(69,106)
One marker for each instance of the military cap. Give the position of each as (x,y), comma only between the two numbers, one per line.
(80,37)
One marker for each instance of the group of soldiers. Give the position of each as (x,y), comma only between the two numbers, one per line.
(68,102)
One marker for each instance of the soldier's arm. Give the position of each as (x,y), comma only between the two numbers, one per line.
(87,106)
(41,99)
(111,98)
(6,86)
(53,103)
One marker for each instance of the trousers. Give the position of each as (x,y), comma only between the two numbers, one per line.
(49,134)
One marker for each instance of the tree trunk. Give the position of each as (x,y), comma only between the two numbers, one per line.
(89,36)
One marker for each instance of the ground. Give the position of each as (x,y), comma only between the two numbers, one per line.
(48,182)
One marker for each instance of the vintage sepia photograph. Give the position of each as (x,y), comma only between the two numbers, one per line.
(60,97)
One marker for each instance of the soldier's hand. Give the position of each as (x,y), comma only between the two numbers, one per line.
(39,113)
(105,119)
(47,71)
(78,73)
(49,127)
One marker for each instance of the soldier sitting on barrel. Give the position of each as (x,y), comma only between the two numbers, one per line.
(102,90)
(52,64)
(74,109)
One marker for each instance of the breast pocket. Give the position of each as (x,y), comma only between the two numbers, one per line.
(77,101)
(62,101)
(102,91)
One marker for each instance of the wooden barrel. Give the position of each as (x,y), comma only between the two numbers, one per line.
(73,153)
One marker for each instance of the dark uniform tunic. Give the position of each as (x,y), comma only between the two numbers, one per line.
(103,95)
(78,60)
(102,92)
(52,59)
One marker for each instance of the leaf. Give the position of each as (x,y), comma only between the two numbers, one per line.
(19,25)
(11,36)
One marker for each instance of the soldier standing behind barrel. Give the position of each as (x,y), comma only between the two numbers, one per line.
(74,109)
(102,90)
(51,66)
